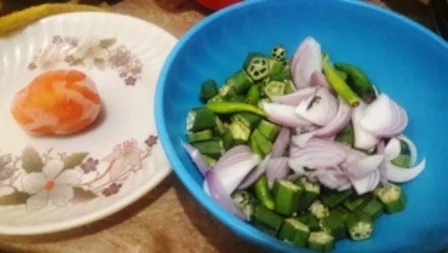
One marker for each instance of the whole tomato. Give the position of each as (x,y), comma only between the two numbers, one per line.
(217,4)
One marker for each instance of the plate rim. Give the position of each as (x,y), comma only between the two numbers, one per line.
(114,207)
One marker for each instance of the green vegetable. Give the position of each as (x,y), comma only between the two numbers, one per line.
(200,119)
(263,143)
(338,84)
(319,210)
(253,95)
(274,88)
(227,91)
(240,81)
(309,220)
(358,81)
(334,225)
(346,136)
(257,66)
(203,135)
(360,226)
(309,194)
(246,202)
(278,53)
(262,101)
(403,160)
(289,87)
(220,127)
(233,107)
(254,147)
(286,196)
(354,201)
(265,228)
(263,193)
(295,232)
(269,130)
(340,212)
(334,198)
(268,218)
(250,120)
(392,197)
(286,73)
(321,241)
(237,133)
(275,67)
(209,160)
(214,99)
(372,208)
(237,98)
(209,89)
(342,74)
(213,148)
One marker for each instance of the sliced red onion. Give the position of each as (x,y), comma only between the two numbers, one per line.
(412,149)
(284,115)
(296,97)
(380,147)
(319,80)
(341,120)
(234,155)
(255,174)
(393,148)
(197,158)
(306,60)
(214,188)
(363,139)
(345,186)
(281,143)
(362,185)
(329,179)
(302,139)
(363,167)
(374,180)
(384,117)
(277,169)
(232,175)
(318,154)
(320,109)
(400,175)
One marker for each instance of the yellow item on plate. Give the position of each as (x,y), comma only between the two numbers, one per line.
(18,20)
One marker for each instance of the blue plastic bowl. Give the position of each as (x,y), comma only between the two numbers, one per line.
(405,60)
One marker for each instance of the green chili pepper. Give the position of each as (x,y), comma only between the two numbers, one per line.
(253,95)
(232,107)
(358,81)
(263,193)
(338,84)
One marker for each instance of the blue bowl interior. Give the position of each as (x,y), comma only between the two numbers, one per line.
(403,59)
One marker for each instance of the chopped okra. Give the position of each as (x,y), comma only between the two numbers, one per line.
(333,198)
(334,225)
(274,88)
(203,135)
(321,241)
(319,210)
(310,193)
(200,119)
(278,53)
(392,197)
(246,202)
(209,89)
(256,66)
(295,232)
(268,218)
(286,196)
(360,226)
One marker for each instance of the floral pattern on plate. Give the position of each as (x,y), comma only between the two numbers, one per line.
(37,180)
(90,53)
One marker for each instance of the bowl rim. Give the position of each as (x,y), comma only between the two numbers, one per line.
(242,229)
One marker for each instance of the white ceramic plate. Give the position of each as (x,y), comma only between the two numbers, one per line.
(111,164)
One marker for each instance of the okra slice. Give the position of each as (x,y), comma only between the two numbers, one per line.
(237,98)
(334,198)
(216,98)
(275,67)
(248,119)
(200,119)
(203,135)
(319,210)
(269,130)
(286,197)
(289,87)
(246,202)
(392,197)
(209,89)
(309,220)
(227,91)
(264,228)
(253,95)
(295,232)
(360,226)
(340,212)
(372,208)
(256,66)
(268,218)
(240,81)
(278,53)
(262,101)
(274,88)
(263,193)
(334,225)
(220,127)
(237,133)
(310,193)
(263,143)
(346,136)
(213,148)
(254,147)
(321,241)
(354,201)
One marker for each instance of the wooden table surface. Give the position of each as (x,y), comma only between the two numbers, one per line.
(168,219)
